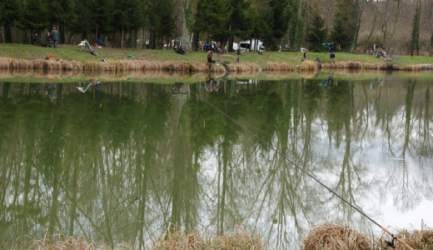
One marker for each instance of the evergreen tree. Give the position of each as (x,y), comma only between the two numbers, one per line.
(31,16)
(8,15)
(345,23)
(239,21)
(260,27)
(103,17)
(161,21)
(128,17)
(212,18)
(278,19)
(316,33)
(60,12)
(296,25)
(84,22)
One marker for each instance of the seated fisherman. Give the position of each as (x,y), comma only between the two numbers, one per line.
(48,39)
(36,39)
(100,42)
(209,56)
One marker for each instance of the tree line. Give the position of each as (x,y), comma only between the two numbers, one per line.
(353,25)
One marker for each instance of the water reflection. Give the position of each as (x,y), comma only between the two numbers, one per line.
(128,161)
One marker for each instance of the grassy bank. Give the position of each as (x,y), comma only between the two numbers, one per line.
(72,58)
(323,237)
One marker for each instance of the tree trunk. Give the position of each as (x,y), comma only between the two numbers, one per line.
(355,39)
(372,27)
(121,37)
(7,32)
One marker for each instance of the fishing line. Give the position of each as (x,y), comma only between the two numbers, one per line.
(308,174)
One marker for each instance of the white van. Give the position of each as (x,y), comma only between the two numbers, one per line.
(248,45)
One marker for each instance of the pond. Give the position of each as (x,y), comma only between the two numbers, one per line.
(123,161)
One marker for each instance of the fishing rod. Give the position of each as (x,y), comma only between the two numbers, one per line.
(390,243)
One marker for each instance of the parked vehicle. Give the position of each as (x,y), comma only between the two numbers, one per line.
(249,45)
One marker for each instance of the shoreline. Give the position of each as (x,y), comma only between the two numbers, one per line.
(72,58)
(7,63)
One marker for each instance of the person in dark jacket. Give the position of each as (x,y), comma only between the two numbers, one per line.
(332,56)
(48,39)
(36,39)
(238,52)
(54,37)
(209,56)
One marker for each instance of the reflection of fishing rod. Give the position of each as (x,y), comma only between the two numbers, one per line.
(389,243)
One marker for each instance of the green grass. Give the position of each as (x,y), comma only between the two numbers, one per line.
(73,52)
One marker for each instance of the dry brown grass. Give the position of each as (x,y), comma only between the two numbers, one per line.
(335,237)
(237,240)
(175,239)
(62,242)
(308,66)
(323,237)
(100,66)
(414,68)
(418,239)
(122,65)
(276,66)
(244,67)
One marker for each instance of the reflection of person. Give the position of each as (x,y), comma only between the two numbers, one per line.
(178,85)
(51,91)
(330,80)
(54,37)
(35,88)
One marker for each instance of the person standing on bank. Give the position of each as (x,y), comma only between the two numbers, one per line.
(54,37)
(238,52)
(332,56)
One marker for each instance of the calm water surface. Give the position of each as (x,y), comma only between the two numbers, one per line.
(123,161)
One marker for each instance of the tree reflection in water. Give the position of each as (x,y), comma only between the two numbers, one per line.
(131,161)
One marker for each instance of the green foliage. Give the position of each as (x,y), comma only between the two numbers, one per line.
(415,31)
(31,15)
(345,23)
(213,17)
(240,21)
(297,15)
(9,12)
(161,21)
(278,19)
(84,23)
(316,33)
(104,18)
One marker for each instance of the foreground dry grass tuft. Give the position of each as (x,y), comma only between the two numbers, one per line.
(418,239)
(238,240)
(61,242)
(335,237)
